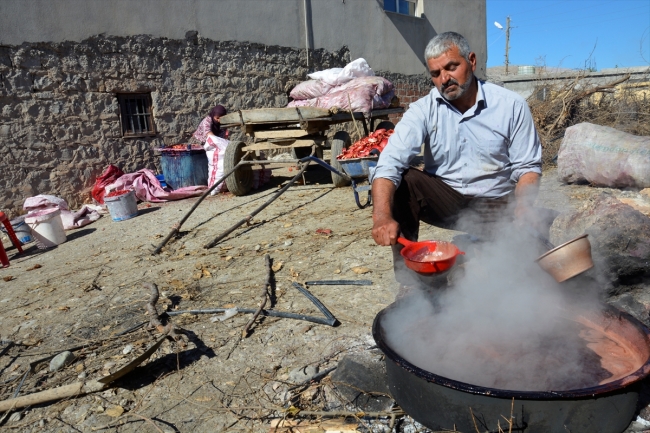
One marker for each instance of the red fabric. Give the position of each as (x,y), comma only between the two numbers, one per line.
(110,175)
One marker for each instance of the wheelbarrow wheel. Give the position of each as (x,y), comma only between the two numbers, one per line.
(340,141)
(241,181)
(385,125)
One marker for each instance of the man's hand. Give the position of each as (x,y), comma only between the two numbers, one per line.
(384,228)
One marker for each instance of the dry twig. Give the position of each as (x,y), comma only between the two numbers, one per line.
(566,103)
(155,322)
(474,420)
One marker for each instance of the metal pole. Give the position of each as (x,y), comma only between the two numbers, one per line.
(507,41)
(306,6)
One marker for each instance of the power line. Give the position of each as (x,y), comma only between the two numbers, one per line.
(495,40)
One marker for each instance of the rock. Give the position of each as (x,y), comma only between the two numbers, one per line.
(638,425)
(640,204)
(82,376)
(288,243)
(619,237)
(361,379)
(61,360)
(303,374)
(15,417)
(115,411)
(636,302)
(127,349)
(604,156)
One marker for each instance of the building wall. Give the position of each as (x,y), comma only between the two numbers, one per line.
(63,62)
(388,41)
(525,85)
(59,113)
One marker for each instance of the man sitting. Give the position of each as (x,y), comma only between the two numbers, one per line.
(480,149)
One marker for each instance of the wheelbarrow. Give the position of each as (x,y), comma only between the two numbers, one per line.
(358,169)
(355,169)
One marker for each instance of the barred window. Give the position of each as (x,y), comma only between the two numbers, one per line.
(136,115)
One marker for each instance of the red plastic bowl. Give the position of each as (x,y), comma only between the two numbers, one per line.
(429,257)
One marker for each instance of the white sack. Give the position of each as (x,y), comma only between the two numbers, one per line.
(338,76)
(604,156)
(215,149)
(310,89)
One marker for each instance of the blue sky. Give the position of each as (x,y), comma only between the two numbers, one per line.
(563,33)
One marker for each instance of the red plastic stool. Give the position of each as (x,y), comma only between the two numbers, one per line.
(10,231)
(3,256)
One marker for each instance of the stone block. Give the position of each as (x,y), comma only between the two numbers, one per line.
(44,95)
(361,379)
(27,58)
(18,80)
(50,62)
(5,131)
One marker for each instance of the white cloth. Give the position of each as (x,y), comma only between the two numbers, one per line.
(337,76)
(71,220)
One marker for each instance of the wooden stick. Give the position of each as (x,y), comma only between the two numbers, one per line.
(258,210)
(155,318)
(512,410)
(474,420)
(176,227)
(265,296)
(353,119)
(66,391)
(77,388)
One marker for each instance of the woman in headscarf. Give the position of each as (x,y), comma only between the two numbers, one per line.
(211,124)
(215,141)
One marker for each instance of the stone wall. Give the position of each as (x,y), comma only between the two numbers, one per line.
(60,117)
(408,88)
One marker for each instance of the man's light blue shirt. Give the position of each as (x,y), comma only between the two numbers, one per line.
(480,153)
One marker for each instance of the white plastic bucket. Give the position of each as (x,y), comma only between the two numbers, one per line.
(22,230)
(47,227)
(122,207)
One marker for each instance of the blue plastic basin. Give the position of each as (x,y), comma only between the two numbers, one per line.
(182,167)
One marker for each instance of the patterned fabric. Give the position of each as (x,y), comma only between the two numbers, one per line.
(215,149)
(201,133)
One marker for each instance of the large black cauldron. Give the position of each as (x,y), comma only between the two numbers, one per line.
(444,404)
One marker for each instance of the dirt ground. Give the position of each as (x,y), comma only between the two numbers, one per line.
(84,293)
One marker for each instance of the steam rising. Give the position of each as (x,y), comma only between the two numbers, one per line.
(504,324)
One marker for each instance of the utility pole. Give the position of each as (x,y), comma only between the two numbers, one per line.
(507,41)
